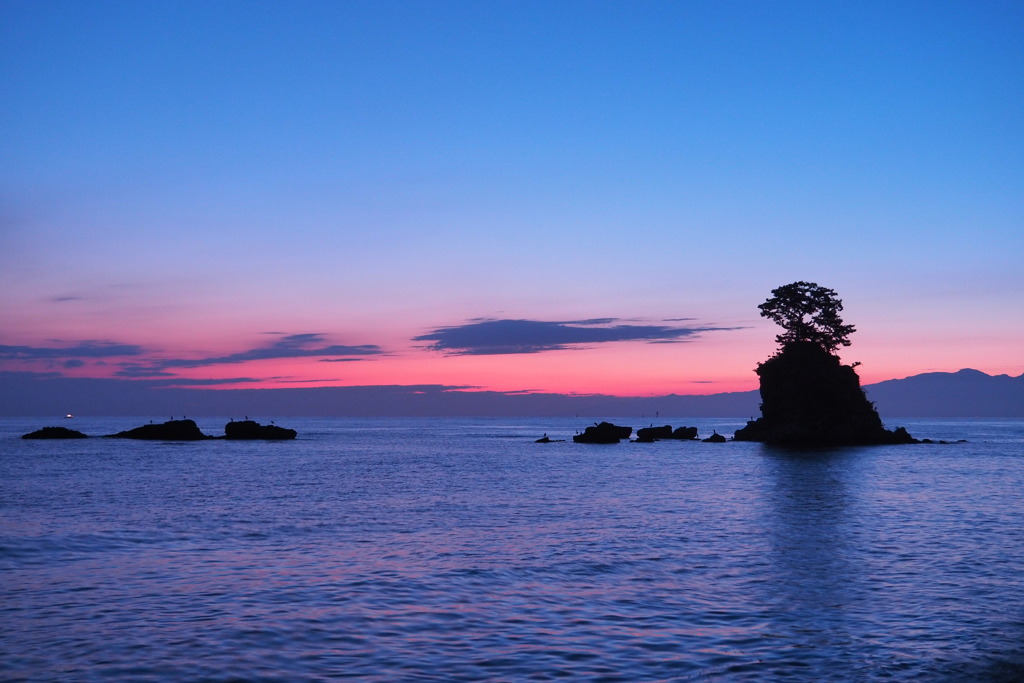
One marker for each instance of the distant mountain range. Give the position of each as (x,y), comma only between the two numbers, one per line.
(967,393)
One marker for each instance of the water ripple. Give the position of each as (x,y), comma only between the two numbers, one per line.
(416,552)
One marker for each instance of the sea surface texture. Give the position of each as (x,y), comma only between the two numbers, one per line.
(459,550)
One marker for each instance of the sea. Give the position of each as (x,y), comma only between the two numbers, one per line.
(459,549)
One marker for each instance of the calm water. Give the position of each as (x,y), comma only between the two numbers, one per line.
(459,550)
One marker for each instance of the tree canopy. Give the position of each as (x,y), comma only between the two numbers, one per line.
(808,312)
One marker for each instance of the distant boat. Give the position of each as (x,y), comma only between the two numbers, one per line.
(69,416)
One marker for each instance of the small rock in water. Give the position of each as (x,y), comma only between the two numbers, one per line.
(55,433)
(250,429)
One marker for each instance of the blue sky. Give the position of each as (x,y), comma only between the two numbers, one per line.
(210,180)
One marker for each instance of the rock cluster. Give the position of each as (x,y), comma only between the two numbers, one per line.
(649,434)
(177,430)
(606,432)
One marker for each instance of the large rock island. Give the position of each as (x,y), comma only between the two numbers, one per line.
(809,398)
(172,430)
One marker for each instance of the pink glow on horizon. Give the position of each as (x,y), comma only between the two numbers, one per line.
(708,363)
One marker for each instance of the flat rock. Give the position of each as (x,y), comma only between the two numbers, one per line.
(55,433)
(649,434)
(252,430)
(173,430)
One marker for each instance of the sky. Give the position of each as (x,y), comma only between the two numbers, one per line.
(567,197)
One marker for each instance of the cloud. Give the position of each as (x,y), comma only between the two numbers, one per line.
(494,337)
(83,349)
(309,381)
(185,382)
(144,366)
(162,378)
(291,346)
(139,370)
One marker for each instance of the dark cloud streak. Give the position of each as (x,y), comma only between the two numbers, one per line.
(292,346)
(83,349)
(143,365)
(497,337)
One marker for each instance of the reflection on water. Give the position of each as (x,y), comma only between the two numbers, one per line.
(817,579)
(460,550)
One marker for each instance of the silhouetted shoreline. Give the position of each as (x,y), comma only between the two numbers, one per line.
(178,430)
(965,393)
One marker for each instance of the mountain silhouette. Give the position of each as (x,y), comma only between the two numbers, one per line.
(967,393)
